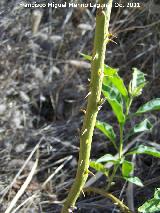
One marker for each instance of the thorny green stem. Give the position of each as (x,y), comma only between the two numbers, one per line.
(97,69)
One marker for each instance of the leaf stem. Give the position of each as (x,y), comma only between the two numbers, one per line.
(121,128)
(115,145)
(129,105)
(112,177)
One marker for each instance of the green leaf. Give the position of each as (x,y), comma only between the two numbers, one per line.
(115,100)
(106,129)
(134,180)
(117,81)
(109,71)
(138,90)
(142,126)
(127,168)
(118,110)
(113,88)
(145,150)
(112,92)
(107,158)
(119,84)
(157,194)
(98,167)
(149,106)
(137,83)
(87,57)
(152,205)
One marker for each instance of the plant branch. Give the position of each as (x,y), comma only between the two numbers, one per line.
(115,200)
(97,68)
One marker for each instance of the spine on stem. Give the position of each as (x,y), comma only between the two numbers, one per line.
(97,68)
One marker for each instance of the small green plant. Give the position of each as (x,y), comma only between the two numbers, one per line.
(152,205)
(120,99)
